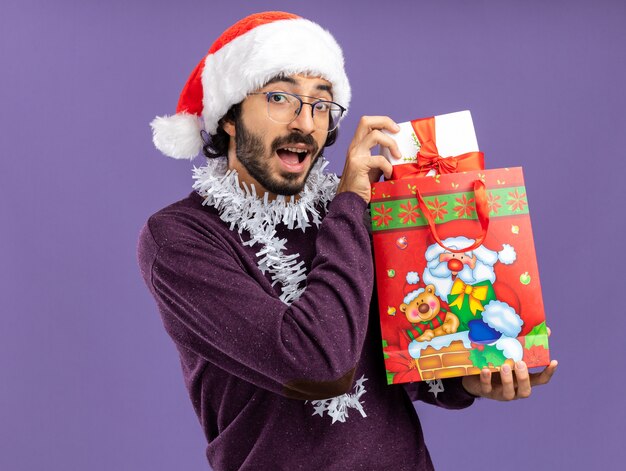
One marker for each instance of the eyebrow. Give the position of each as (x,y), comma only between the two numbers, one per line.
(282,78)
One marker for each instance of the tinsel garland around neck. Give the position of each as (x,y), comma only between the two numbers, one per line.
(240,207)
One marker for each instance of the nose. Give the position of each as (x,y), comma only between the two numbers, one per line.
(455,265)
(304,121)
(424,308)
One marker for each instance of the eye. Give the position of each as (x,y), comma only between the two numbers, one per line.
(278,98)
(322,107)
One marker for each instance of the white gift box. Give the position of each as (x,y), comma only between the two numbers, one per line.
(454,135)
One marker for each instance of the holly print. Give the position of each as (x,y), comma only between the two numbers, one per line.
(487,357)
(538,336)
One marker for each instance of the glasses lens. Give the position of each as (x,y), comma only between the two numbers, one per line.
(282,107)
(336,112)
(327,113)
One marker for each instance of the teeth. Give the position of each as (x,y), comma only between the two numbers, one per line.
(298,151)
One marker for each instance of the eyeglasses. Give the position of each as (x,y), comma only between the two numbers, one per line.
(284,108)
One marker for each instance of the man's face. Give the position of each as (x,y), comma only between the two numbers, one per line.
(278,157)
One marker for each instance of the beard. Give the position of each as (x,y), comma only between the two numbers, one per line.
(438,274)
(252,154)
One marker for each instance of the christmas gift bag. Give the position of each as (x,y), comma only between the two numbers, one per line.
(457,278)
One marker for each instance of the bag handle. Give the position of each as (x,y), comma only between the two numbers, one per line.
(482,209)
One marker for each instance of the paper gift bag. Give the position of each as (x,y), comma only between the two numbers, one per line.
(457,277)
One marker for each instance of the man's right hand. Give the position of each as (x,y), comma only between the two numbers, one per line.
(362,168)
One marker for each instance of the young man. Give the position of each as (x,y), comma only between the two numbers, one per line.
(264,274)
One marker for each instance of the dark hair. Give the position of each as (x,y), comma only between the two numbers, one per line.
(216,145)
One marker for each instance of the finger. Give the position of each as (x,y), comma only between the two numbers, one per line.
(545,376)
(508,385)
(377,137)
(485,382)
(523,380)
(368,123)
(381,163)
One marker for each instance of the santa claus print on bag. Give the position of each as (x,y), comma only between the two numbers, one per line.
(488,308)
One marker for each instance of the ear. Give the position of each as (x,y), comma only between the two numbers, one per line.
(403,307)
(430,289)
(229,127)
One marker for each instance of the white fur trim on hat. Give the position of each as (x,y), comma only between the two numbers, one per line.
(456,243)
(248,62)
(412,295)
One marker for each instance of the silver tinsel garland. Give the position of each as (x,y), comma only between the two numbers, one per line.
(242,209)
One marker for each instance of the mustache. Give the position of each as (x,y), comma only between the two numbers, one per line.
(295,138)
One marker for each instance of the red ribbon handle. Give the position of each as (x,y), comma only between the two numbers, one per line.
(482,209)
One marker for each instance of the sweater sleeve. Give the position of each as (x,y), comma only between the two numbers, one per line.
(214,306)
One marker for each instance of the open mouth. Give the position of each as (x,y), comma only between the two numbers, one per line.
(293,158)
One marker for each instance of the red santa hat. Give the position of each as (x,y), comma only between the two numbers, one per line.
(243,59)
(410,290)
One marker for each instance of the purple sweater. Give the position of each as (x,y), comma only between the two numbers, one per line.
(257,369)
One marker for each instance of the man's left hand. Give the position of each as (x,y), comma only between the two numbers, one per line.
(506,386)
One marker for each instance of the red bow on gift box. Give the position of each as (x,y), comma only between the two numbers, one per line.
(428,156)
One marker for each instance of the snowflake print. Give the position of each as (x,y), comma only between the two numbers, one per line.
(382,216)
(437,208)
(517,201)
(408,213)
(465,207)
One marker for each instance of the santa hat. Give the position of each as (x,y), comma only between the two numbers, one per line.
(243,59)
(410,293)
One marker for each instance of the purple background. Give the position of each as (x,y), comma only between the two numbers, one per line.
(89,379)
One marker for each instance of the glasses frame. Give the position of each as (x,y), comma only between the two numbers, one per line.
(268,96)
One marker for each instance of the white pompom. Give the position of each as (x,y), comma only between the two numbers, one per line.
(507,255)
(177,136)
(412,278)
